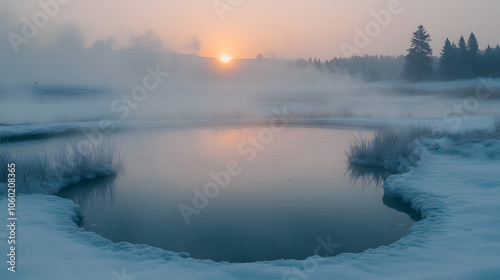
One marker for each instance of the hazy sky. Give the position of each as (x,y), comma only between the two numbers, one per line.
(281,28)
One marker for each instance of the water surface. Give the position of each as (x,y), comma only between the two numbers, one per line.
(294,197)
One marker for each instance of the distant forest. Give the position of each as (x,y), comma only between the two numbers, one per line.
(370,67)
(462,60)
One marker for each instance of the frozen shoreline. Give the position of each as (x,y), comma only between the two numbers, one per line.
(26,132)
(455,188)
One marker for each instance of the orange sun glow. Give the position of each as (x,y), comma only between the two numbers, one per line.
(225,59)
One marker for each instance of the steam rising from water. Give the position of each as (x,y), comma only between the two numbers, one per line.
(55,78)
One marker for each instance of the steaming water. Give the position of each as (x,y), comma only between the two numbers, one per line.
(290,202)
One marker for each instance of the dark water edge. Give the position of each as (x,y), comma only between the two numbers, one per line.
(271,230)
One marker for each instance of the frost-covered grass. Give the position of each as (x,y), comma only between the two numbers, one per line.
(48,171)
(397,149)
(392,149)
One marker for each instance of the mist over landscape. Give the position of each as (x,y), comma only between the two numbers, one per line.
(233,139)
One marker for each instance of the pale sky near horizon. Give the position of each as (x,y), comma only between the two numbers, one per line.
(280,28)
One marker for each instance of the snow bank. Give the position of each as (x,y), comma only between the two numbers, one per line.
(455,187)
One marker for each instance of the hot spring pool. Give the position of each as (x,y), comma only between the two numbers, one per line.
(292,198)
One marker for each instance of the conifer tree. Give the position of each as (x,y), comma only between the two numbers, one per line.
(418,61)
(447,61)
(488,62)
(473,57)
(462,57)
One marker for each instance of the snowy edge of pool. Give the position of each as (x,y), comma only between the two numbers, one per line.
(456,192)
(11,133)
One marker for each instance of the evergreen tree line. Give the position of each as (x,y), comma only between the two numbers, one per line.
(462,61)
(466,60)
(368,67)
(457,61)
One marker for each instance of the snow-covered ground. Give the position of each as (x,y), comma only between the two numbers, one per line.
(456,189)
(436,85)
(30,131)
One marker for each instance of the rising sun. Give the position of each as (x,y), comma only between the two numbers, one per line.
(225,59)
